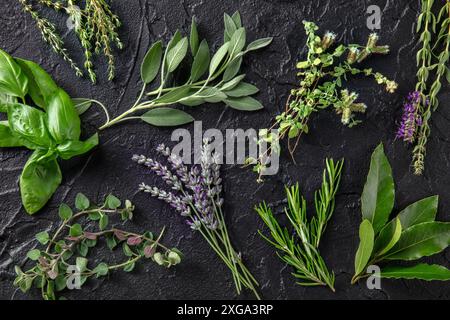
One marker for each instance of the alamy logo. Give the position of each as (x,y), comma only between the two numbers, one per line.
(374,280)
(374,19)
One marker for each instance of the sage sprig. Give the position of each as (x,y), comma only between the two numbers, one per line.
(303,255)
(212,79)
(322,76)
(414,233)
(41,117)
(71,243)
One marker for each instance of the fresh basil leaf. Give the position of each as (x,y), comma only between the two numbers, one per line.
(38,182)
(388,237)
(237,42)
(13,80)
(377,199)
(152,62)
(258,44)
(237,19)
(81,105)
(233,83)
(173,96)
(218,57)
(230,27)
(421,240)
(211,95)
(41,86)
(62,118)
(366,241)
(177,54)
(201,61)
(166,117)
(193,38)
(244,104)
(29,124)
(421,271)
(7,139)
(70,149)
(421,211)
(242,90)
(232,69)
(5,101)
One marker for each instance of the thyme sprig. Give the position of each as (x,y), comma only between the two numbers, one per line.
(303,255)
(70,244)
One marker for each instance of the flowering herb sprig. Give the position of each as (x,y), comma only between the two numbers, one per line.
(411,119)
(63,263)
(196,196)
(321,86)
(432,61)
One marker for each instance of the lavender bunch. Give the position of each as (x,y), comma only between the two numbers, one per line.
(411,119)
(196,195)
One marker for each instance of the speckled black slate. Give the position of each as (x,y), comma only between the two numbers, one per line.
(109,170)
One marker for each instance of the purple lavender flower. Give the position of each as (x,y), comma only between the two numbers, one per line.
(411,120)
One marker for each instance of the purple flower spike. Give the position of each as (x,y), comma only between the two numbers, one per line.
(411,119)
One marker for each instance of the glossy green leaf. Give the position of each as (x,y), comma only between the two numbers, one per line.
(232,69)
(63,120)
(82,202)
(258,44)
(244,104)
(201,61)
(38,182)
(151,63)
(82,105)
(41,86)
(242,90)
(421,272)
(421,240)
(232,83)
(70,149)
(388,237)
(366,242)
(237,42)
(7,139)
(193,38)
(177,54)
(5,100)
(377,199)
(13,80)
(230,27)
(421,211)
(29,124)
(218,57)
(167,117)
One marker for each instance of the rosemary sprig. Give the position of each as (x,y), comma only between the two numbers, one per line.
(303,255)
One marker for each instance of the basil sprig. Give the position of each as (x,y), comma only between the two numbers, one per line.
(51,128)
(411,235)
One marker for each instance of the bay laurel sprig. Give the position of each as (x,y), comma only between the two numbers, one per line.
(63,262)
(322,76)
(303,255)
(213,78)
(432,62)
(413,234)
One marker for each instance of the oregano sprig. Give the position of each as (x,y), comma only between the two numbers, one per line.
(64,260)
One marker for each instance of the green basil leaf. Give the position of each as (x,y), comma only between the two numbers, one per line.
(230,27)
(70,149)
(377,199)
(421,271)
(421,240)
(218,57)
(366,239)
(41,86)
(152,62)
(201,61)
(421,211)
(7,139)
(244,104)
(237,42)
(38,182)
(388,237)
(242,90)
(62,118)
(5,101)
(82,105)
(173,96)
(167,117)
(232,69)
(211,95)
(237,19)
(13,80)
(193,39)
(258,44)
(29,124)
(176,54)
(233,83)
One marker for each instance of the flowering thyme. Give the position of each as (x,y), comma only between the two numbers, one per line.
(196,196)
(411,120)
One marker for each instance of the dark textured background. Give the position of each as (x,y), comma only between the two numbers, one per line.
(109,170)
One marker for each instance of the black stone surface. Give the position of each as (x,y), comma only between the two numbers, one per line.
(109,170)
